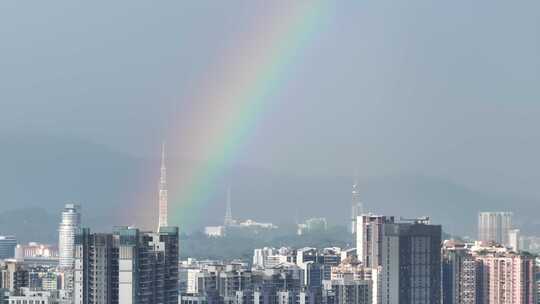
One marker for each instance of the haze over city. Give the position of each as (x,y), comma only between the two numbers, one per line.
(424,97)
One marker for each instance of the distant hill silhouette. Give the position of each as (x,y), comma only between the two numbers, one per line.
(39,174)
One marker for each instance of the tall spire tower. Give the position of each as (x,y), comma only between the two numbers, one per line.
(163,200)
(228,213)
(357,207)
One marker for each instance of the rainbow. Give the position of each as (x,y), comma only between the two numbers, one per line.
(233,96)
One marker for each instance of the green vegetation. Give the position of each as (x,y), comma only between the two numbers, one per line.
(240,244)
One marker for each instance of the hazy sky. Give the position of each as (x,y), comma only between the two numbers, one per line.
(441,88)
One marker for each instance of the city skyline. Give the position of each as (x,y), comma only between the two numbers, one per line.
(269,152)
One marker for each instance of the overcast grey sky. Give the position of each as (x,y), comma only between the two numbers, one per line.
(441,88)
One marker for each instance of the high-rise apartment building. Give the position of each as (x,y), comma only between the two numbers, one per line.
(312,260)
(268,283)
(509,278)
(494,227)
(234,281)
(127,266)
(369,238)
(351,269)
(513,239)
(312,225)
(13,276)
(411,263)
(344,291)
(95,273)
(460,274)
(260,256)
(31,296)
(483,273)
(70,226)
(7,247)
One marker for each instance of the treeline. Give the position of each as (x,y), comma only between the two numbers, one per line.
(240,244)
